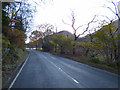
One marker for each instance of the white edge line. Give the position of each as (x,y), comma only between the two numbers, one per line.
(19,72)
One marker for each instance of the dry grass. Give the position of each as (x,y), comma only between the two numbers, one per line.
(101,65)
(8,69)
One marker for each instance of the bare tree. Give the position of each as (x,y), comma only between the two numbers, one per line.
(75,29)
(47,29)
(39,2)
(115,11)
(35,36)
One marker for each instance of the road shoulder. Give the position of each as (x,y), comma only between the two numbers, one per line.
(14,73)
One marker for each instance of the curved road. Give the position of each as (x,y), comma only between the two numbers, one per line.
(44,70)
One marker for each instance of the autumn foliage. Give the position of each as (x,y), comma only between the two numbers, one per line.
(16,37)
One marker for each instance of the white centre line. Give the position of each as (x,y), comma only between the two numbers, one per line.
(62,70)
(75,80)
(52,57)
(65,73)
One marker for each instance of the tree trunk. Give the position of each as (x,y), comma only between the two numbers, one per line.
(36,47)
(74,48)
(86,53)
(116,57)
(111,56)
(61,50)
(55,48)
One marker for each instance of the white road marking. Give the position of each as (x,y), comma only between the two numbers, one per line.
(19,72)
(62,70)
(75,80)
(52,57)
(65,73)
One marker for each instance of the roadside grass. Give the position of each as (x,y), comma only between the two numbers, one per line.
(91,61)
(94,62)
(7,69)
(0,74)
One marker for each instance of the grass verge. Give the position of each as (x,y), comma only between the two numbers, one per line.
(9,68)
(94,62)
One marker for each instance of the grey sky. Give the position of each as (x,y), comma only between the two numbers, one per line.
(55,11)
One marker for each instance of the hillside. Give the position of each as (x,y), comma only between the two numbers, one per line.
(67,33)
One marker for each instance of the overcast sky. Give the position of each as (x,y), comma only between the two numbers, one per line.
(54,11)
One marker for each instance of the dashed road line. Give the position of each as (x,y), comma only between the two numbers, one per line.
(62,70)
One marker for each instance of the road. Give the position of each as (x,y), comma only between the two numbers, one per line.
(44,70)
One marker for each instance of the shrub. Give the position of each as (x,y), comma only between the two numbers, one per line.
(94,60)
(112,64)
(48,46)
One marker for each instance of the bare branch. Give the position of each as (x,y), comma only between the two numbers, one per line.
(79,27)
(73,20)
(116,11)
(18,8)
(36,3)
(88,25)
(115,7)
(66,23)
(111,10)
(107,18)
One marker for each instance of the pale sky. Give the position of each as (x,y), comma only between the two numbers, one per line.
(54,11)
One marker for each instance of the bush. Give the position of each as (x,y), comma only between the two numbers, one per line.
(94,60)
(112,64)
(19,52)
(48,46)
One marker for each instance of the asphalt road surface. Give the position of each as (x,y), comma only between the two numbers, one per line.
(44,70)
